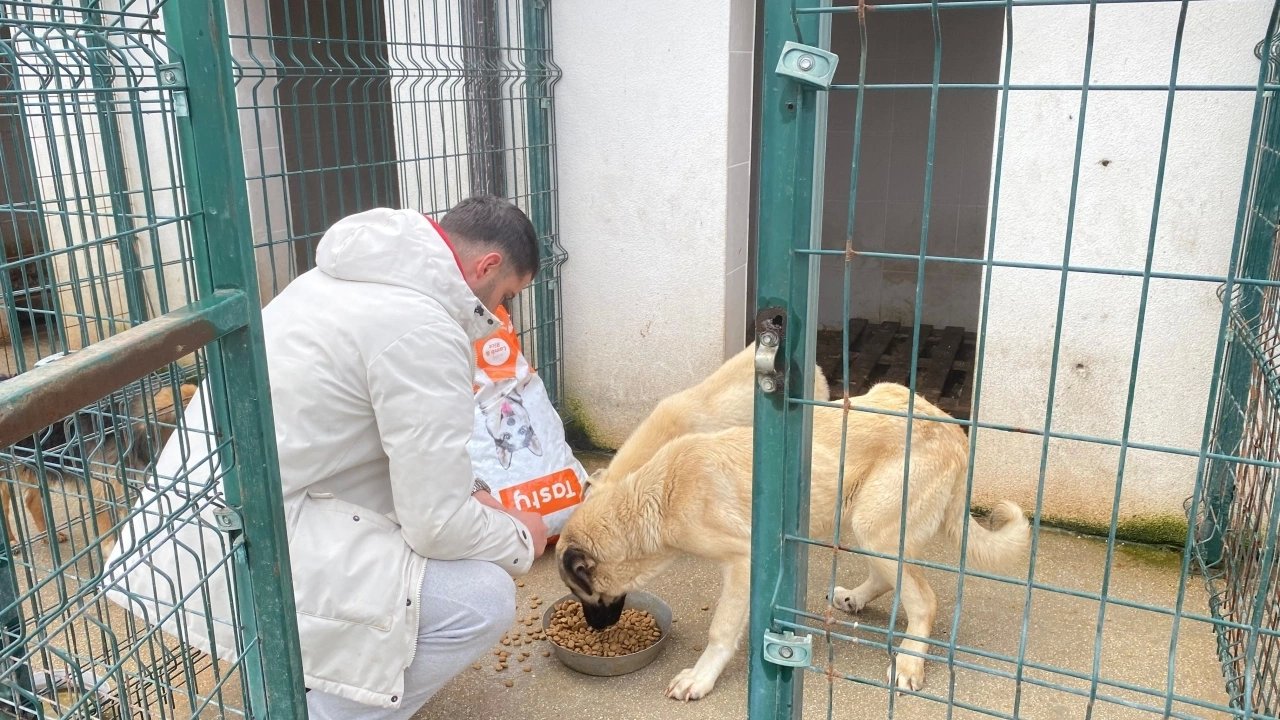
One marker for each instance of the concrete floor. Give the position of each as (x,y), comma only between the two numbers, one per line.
(1060,633)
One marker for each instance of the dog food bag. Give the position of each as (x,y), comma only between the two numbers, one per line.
(517,446)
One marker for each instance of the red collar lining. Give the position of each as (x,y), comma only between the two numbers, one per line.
(448,243)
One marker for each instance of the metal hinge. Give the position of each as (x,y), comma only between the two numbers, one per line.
(787,649)
(807,64)
(172,76)
(228,520)
(771,330)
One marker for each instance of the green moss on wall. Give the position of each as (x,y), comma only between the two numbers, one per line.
(1153,530)
(579,431)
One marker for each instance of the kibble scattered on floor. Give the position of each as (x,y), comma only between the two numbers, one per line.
(517,644)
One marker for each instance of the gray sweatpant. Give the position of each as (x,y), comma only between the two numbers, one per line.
(466,607)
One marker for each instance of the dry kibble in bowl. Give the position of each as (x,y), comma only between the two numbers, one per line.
(636,630)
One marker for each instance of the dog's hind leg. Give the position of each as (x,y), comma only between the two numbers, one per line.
(727,627)
(920,605)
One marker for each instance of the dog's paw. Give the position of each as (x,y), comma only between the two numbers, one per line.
(847,600)
(63,536)
(909,674)
(689,685)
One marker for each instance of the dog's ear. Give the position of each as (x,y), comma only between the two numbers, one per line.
(594,478)
(580,566)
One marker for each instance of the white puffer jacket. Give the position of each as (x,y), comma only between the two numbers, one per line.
(370,360)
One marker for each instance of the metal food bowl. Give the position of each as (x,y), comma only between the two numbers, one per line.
(622,664)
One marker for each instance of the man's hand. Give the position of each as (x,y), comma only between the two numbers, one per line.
(537,528)
(487,499)
(533,521)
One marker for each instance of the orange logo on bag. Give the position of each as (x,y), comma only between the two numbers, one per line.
(545,495)
(496,354)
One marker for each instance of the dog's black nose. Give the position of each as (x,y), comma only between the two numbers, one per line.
(600,617)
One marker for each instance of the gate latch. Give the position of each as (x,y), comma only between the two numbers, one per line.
(173,77)
(787,649)
(807,64)
(228,520)
(771,330)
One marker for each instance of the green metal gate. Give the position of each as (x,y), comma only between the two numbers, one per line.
(132,214)
(1092,628)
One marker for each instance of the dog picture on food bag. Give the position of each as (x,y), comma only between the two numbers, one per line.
(509,425)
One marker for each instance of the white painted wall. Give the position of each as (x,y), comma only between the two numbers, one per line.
(1117,187)
(652,198)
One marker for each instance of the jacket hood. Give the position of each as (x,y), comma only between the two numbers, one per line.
(406,249)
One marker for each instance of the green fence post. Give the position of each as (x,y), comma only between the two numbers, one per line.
(537,51)
(780,487)
(222,239)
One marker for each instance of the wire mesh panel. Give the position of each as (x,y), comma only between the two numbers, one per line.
(1056,220)
(355,104)
(112,252)
(74,231)
(1237,515)
(69,650)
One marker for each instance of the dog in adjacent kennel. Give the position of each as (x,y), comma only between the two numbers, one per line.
(129,432)
(693,497)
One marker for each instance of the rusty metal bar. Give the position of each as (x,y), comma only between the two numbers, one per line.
(44,395)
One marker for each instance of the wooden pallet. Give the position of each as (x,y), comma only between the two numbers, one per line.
(881,352)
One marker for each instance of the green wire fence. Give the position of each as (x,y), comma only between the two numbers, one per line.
(168,166)
(1076,631)
(354,104)
(1237,514)
(344,106)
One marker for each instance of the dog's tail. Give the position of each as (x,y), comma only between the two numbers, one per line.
(990,549)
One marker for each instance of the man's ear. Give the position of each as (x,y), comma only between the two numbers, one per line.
(488,264)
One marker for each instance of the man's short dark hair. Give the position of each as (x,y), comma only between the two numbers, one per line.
(493,222)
